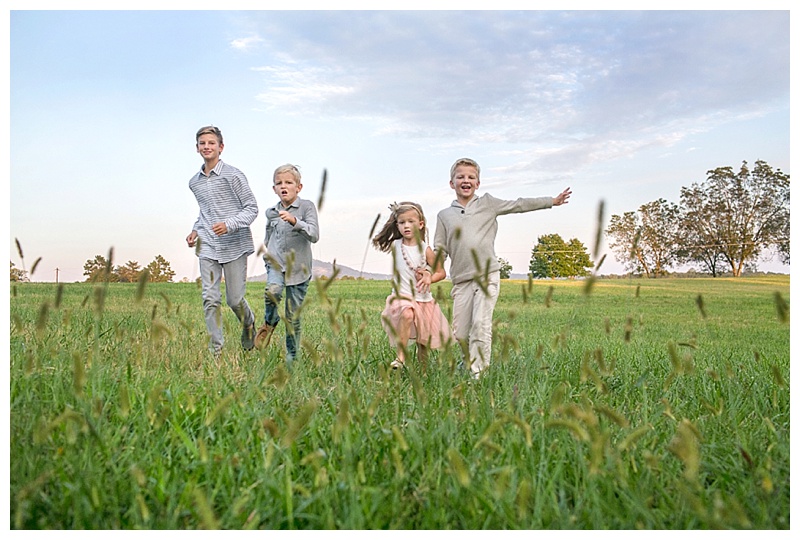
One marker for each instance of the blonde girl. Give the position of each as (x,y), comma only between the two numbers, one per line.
(411,312)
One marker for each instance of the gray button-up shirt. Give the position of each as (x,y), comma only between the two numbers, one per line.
(292,243)
(224,195)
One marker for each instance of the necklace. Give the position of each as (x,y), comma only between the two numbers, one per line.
(407,259)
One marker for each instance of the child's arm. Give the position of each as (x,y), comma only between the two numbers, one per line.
(271,213)
(248,210)
(425,277)
(308,224)
(528,204)
(438,271)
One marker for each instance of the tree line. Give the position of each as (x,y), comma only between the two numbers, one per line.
(722,224)
(101,269)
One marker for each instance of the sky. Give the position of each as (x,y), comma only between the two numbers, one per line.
(625,107)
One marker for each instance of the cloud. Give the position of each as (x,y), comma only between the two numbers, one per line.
(299,90)
(574,87)
(246,43)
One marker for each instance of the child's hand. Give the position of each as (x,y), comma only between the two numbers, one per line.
(423,280)
(287,217)
(562,197)
(219,228)
(192,238)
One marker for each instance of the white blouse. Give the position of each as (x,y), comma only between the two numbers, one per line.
(406,259)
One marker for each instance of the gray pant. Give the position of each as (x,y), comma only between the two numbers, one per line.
(235,273)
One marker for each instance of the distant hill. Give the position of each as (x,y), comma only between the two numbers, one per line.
(321,268)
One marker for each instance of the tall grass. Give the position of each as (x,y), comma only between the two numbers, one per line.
(621,406)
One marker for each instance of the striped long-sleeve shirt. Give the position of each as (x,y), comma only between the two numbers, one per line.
(224,195)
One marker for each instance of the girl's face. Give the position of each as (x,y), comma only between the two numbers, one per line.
(410,226)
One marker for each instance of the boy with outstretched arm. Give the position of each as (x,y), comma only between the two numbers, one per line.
(465,232)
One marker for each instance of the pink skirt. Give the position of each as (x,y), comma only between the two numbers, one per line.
(429,328)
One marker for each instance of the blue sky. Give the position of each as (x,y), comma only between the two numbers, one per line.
(622,106)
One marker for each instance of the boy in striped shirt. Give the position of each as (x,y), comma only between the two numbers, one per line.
(221,237)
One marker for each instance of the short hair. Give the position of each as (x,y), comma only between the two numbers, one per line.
(465,161)
(292,169)
(214,130)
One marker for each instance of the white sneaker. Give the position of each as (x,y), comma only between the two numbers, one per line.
(397,364)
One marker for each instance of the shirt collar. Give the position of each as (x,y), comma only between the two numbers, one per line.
(216,170)
(279,205)
(459,205)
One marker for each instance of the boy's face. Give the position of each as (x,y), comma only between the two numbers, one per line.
(286,188)
(410,226)
(465,181)
(209,147)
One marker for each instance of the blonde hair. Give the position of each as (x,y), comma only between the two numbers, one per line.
(465,161)
(213,130)
(390,232)
(292,169)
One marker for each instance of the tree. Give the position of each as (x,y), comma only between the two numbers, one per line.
(130,272)
(505,268)
(739,215)
(647,241)
(160,271)
(18,274)
(99,269)
(698,238)
(783,242)
(578,258)
(552,257)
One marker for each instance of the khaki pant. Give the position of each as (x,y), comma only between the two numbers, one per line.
(472,318)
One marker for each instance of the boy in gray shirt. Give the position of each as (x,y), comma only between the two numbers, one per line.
(466,232)
(222,230)
(292,226)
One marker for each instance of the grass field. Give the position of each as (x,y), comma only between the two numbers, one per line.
(655,404)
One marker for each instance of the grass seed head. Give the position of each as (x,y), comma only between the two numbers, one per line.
(322,189)
(41,319)
(458,467)
(701,305)
(685,445)
(599,234)
(548,296)
(35,264)
(782,308)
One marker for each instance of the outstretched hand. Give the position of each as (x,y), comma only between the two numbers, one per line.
(562,198)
